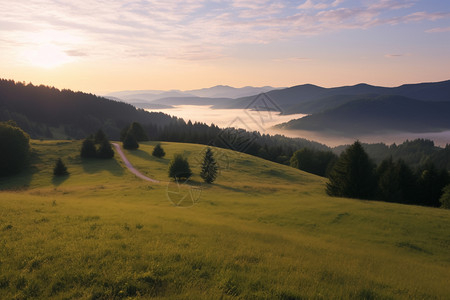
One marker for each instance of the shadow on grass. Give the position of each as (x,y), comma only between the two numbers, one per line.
(279,174)
(18,181)
(144,155)
(226,187)
(94,165)
(58,180)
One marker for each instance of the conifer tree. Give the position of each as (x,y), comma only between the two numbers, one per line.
(445,198)
(60,168)
(88,149)
(130,142)
(353,174)
(99,137)
(158,151)
(105,150)
(209,167)
(179,168)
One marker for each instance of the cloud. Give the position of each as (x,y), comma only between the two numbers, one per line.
(292,59)
(191,29)
(438,30)
(75,53)
(310,4)
(397,55)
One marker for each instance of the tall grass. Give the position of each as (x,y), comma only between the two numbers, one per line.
(261,231)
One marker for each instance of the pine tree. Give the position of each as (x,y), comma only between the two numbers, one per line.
(60,168)
(88,149)
(179,168)
(445,198)
(130,142)
(353,174)
(99,137)
(209,167)
(158,151)
(136,130)
(105,150)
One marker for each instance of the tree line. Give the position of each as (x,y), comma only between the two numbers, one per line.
(355,175)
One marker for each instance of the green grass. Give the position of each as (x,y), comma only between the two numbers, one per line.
(261,231)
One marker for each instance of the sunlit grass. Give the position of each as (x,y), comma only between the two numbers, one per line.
(261,231)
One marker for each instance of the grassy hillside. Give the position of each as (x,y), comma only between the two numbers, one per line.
(261,231)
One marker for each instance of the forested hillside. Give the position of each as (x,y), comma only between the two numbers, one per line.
(44,111)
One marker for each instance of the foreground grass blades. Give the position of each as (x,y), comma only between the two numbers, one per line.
(261,231)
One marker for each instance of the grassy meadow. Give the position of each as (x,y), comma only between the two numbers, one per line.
(261,231)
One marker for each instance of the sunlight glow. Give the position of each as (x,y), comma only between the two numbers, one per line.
(47,56)
(49,48)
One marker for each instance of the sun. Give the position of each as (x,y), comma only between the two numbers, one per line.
(47,56)
(49,48)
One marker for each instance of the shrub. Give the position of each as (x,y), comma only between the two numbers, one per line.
(14,148)
(60,168)
(158,151)
(179,167)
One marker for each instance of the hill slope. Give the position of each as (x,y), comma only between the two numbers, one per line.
(39,110)
(262,231)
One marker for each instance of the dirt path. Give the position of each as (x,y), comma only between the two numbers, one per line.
(130,166)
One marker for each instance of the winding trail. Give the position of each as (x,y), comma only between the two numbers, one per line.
(130,166)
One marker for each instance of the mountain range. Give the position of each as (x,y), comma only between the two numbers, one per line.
(360,108)
(206,96)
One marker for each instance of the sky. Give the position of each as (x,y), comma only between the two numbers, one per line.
(111,45)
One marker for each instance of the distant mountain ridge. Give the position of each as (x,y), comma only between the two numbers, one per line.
(305,98)
(223,92)
(378,114)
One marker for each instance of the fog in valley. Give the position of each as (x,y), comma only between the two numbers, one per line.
(263,122)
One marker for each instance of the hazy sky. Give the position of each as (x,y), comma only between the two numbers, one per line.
(110,45)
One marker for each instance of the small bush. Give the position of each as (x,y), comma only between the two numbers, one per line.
(158,151)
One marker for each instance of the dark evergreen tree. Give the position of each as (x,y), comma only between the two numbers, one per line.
(136,130)
(105,150)
(60,168)
(99,137)
(209,167)
(179,167)
(352,175)
(313,161)
(14,148)
(396,182)
(431,183)
(158,151)
(445,198)
(88,149)
(130,142)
